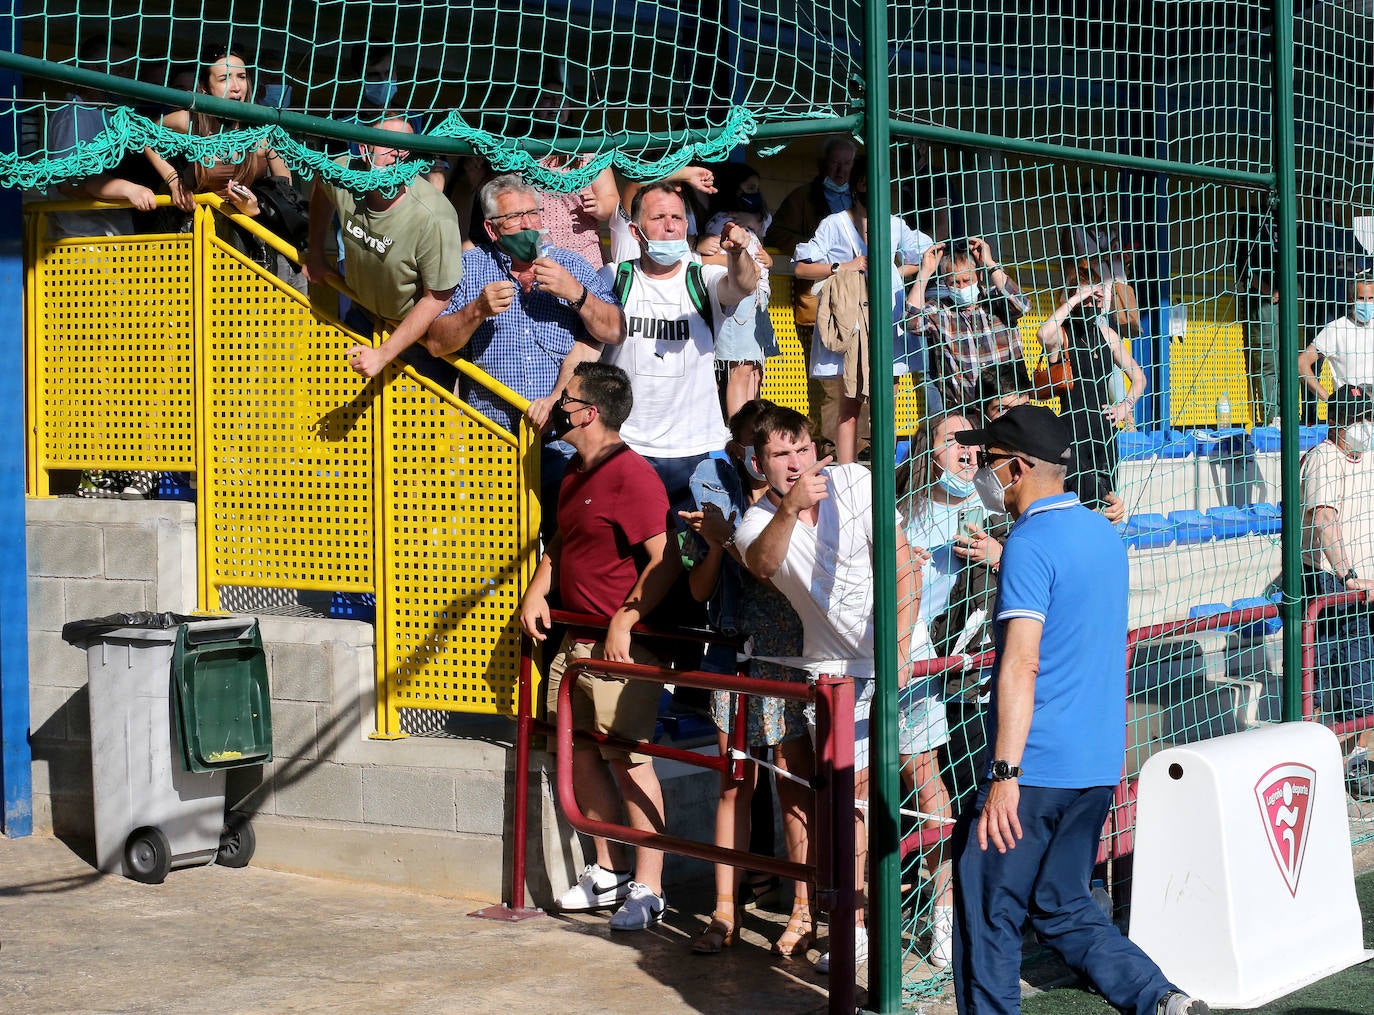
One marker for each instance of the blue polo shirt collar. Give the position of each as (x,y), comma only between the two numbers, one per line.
(1054,502)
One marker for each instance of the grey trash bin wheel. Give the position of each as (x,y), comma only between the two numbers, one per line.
(147,856)
(237,841)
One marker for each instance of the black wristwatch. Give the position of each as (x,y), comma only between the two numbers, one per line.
(1349,575)
(577,303)
(834,267)
(1001,771)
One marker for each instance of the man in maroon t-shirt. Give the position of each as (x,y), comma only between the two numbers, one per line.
(611,558)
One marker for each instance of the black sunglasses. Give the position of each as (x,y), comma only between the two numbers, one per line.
(985,459)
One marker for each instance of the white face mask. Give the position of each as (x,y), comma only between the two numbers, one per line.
(990,491)
(753,469)
(967,296)
(1359,437)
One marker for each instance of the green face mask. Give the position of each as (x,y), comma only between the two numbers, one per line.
(522,246)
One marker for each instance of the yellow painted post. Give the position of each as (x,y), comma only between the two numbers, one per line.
(388,717)
(205,508)
(36,478)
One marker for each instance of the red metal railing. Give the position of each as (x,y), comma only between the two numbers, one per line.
(833,872)
(1309,659)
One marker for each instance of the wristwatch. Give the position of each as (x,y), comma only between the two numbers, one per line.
(1349,575)
(577,303)
(729,540)
(1001,771)
(834,267)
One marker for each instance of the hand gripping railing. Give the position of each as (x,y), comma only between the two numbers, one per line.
(833,783)
(1315,608)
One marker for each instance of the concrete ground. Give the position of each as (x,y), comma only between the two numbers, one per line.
(210,939)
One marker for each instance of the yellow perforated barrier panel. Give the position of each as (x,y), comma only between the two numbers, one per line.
(459,552)
(1207,361)
(112,380)
(289,488)
(784,376)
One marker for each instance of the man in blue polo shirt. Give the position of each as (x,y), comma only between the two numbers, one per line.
(1056,730)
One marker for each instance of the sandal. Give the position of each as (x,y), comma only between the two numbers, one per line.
(799,935)
(720,933)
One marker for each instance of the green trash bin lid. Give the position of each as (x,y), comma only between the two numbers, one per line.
(221,698)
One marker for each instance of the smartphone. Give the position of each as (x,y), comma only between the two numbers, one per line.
(237,188)
(972,515)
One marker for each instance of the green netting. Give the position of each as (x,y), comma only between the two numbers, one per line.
(1124,145)
(645,87)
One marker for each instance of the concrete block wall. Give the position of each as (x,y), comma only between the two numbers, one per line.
(89,558)
(421,812)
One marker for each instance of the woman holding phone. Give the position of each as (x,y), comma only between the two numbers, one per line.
(945,521)
(224,75)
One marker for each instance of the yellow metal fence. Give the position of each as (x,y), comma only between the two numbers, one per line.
(176,353)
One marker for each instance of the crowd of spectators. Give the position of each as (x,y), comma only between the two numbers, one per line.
(643,370)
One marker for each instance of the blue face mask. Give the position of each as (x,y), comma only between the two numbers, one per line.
(379,93)
(1364,311)
(833,187)
(957,486)
(966,296)
(666,252)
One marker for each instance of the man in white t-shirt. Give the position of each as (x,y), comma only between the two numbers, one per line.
(671,304)
(1338,556)
(1347,343)
(812,537)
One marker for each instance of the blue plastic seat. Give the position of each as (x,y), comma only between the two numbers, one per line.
(1210,610)
(1311,436)
(1230,522)
(903,449)
(1147,531)
(1262,627)
(353,606)
(1191,527)
(1267,519)
(1178,444)
(1138,445)
(1266,438)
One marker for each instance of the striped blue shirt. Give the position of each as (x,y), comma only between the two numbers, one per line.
(524,346)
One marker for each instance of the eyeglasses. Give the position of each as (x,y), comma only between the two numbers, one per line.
(524,216)
(985,459)
(565,399)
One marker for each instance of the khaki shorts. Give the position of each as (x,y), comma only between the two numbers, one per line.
(623,708)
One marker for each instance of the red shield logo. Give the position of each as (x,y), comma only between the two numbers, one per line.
(1284,794)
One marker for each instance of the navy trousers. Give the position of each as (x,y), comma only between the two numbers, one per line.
(1046,876)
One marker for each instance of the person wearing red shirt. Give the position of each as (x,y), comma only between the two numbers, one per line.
(611,558)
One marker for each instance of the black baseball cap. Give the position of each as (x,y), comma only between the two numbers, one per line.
(1349,404)
(1032,430)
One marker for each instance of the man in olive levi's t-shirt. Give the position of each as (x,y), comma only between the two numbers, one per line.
(404,253)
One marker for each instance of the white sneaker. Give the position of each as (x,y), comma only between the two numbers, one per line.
(642,909)
(597,888)
(822,965)
(941,932)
